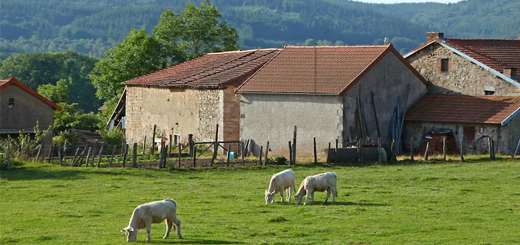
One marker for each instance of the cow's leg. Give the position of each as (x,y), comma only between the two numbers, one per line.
(312,196)
(307,197)
(291,191)
(168,228)
(282,192)
(148,229)
(334,195)
(328,195)
(178,225)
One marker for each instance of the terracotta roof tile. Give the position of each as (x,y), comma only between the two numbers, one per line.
(495,53)
(315,69)
(463,109)
(211,70)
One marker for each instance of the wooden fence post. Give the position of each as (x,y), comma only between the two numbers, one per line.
(243,153)
(8,154)
(490,148)
(516,149)
(266,153)
(315,152)
(170,146)
(290,153)
(144,145)
(194,156)
(100,153)
(444,148)
(411,149)
(360,151)
(294,144)
(228,154)
(125,154)
(261,152)
(60,159)
(93,153)
(75,156)
(427,150)
(49,158)
(113,153)
(88,156)
(161,159)
(190,142)
(134,156)
(179,146)
(152,150)
(39,151)
(462,149)
(215,149)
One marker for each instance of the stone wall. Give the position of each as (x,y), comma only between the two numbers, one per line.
(462,77)
(210,114)
(388,79)
(181,112)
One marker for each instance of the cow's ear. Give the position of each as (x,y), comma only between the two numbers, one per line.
(130,229)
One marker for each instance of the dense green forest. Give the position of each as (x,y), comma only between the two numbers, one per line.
(94,26)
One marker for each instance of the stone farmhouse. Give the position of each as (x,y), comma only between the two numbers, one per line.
(22,109)
(468,66)
(188,98)
(482,68)
(317,88)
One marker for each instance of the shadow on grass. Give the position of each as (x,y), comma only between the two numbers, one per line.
(23,173)
(194,241)
(358,204)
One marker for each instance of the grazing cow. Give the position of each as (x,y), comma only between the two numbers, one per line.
(153,212)
(320,182)
(279,183)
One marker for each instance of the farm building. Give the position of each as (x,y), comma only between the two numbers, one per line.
(468,66)
(317,88)
(22,109)
(470,118)
(189,98)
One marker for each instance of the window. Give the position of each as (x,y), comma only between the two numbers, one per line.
(488,92)
(11,103)
(445,64)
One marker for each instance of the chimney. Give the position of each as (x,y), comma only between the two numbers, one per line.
(434,35)
(510,72)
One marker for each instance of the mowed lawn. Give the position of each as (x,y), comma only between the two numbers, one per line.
(436,203)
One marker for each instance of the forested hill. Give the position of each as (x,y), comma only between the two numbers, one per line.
(93,26)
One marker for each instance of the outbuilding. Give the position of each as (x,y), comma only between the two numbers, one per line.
(329,93)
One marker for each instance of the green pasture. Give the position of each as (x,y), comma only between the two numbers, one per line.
(474,202)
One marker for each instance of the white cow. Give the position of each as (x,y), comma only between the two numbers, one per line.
(320,182)
(153,212)
(279,183)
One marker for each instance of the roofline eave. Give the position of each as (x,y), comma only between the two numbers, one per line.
(284,93)
(510,117)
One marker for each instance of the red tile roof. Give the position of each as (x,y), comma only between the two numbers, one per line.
(211,70)
(13,81)
(495,53)
(463,109)
(317,69)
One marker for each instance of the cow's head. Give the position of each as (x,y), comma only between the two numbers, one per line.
(130,233)
(269,197)
(298,199)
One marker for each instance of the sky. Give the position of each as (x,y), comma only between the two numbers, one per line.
(408,1)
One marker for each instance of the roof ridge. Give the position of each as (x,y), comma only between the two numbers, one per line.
(483,39)
(342,46)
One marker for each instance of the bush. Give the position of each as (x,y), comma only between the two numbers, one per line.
(71,138)
(113,137)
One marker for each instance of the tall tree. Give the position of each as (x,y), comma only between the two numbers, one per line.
(196,31)
(139,54)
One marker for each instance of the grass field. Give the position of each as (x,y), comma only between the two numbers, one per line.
(475,202)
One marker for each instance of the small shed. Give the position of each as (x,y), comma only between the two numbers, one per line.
(472,119)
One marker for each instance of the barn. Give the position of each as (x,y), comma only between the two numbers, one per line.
(188,98)
(328,93)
